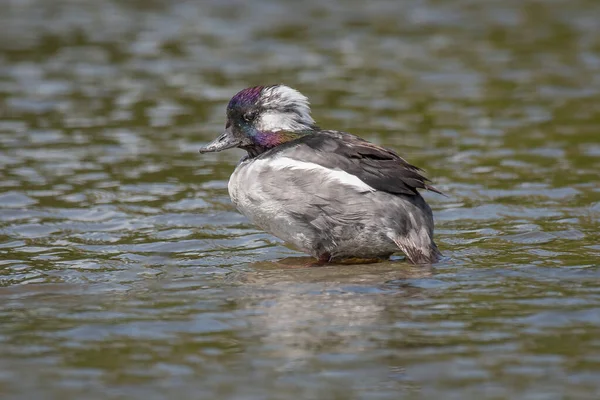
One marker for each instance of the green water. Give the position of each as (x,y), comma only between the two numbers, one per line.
(125,272)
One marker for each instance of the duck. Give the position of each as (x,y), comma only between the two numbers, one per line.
(327,193)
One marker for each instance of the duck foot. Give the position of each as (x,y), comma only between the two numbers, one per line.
(293,263)
(322,261)
(358,260)
(325,259)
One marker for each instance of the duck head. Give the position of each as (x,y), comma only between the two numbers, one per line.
(262,117)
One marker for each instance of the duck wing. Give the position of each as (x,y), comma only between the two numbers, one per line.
(380,168)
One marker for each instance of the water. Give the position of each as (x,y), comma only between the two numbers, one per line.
(125,272)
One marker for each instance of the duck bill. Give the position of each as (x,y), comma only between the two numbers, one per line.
(225,141)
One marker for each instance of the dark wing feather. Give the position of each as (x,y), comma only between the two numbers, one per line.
(380,168)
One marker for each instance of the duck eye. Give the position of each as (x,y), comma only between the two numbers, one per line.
(250,116)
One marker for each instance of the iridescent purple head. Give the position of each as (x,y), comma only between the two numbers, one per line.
(261,117)
(245,98)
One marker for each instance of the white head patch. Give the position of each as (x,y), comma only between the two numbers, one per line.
(284,109)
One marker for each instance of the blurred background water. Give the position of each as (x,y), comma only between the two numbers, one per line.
(125,272)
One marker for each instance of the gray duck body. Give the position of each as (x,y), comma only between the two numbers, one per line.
(310,194)
(328,193)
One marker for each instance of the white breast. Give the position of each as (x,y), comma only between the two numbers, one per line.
(236,180)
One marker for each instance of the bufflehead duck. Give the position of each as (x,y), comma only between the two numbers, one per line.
(328,193)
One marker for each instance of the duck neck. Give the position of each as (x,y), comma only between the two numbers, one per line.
(263,141)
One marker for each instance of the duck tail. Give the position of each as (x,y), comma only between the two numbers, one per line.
(416,251)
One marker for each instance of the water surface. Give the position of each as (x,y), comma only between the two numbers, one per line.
(126,273)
